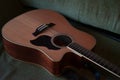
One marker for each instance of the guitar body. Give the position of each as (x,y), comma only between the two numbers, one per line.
(21,43)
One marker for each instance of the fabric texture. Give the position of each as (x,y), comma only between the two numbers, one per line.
(104,14)
(11,69)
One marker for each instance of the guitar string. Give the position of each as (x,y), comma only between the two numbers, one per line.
(111,67)
(103,60)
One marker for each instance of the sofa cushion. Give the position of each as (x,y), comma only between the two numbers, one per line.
(104,14)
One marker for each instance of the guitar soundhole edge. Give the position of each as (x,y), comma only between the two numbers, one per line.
(61,40)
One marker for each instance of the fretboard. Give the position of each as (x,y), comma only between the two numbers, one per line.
(99,61)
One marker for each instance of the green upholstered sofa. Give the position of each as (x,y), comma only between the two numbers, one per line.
(100,18)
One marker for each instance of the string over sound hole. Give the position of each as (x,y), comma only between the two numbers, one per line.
(61,40)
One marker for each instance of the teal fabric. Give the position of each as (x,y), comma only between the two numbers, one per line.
(104,14)
(11,69)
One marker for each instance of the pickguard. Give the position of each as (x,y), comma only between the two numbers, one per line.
(45,41)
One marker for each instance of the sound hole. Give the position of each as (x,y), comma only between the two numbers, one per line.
(61,40)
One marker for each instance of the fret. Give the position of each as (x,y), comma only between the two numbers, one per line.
(95,59)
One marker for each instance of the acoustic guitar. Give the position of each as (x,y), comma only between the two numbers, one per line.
(46,38)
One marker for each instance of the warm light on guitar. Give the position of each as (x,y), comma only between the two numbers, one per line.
(45,37)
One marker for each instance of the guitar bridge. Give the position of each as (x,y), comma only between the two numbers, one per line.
(42,28)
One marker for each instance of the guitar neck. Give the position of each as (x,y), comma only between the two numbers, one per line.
(99,61)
